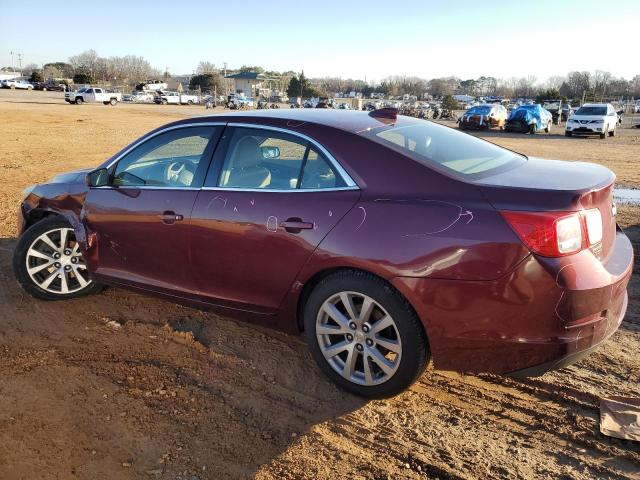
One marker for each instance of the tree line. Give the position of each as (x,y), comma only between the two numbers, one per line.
(89,67)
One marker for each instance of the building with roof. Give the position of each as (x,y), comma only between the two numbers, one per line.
(247,83)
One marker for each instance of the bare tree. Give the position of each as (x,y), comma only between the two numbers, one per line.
(206,67)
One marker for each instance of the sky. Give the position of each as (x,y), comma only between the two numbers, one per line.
(350,39)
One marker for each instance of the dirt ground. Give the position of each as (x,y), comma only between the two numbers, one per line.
(120,386)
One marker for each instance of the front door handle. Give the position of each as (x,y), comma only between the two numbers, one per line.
(169,217)
(296,225)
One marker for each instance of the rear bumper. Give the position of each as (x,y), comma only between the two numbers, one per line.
(571,358)
(545,314)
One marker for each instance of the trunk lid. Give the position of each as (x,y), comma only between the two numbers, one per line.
(552,185)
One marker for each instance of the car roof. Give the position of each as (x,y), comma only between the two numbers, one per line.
(352,121)
(595,104)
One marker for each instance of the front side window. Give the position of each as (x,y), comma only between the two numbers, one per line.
(170,159)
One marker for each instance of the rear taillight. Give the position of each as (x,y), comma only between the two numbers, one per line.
(556,234)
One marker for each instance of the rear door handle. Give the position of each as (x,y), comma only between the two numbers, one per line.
(170,217)
(296,225)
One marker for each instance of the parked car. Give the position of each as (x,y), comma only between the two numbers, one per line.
(529,118)
(92,95)
(484,116)
(554,107)
(387,240)
(50,86)
(593,119)
(567,111)
(152,85)
(175,98)
(17,84)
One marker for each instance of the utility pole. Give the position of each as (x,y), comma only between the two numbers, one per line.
(13,68)
(20,62)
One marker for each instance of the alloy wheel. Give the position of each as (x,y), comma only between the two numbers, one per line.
(358,338)
(54,262)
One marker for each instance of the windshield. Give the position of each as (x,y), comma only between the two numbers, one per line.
(551,105)
(483,110)
(592,111)
(446,149)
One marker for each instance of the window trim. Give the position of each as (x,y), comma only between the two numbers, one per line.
(351,184)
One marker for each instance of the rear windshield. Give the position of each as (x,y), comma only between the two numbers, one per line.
(446,149)
(592,111)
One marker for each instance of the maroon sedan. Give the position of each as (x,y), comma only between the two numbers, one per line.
(387,240)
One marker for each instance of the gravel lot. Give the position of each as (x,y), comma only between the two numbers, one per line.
(120,386)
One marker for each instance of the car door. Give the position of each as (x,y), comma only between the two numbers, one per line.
(269,199)
(140,220)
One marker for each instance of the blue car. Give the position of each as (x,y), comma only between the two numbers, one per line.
(529,119)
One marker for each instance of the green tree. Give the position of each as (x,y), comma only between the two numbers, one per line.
(36,76)
(549,94)
(207,81)
(450,103)
(300,86)
(80,78)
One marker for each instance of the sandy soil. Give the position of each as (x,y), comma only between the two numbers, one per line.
(120,386)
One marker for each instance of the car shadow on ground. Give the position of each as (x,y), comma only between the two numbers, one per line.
(150,384)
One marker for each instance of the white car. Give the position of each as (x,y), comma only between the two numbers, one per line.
(21,84)
(176,98)
(593,119)
(92,95)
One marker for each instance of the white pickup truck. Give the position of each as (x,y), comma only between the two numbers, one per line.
(176,98)
(93,95)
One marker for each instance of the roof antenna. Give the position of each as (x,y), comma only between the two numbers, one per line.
(388,113)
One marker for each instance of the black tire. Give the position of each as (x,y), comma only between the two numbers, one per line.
(548,128)
(612,133)
(532,128)
(189,102)
(20,259)
(415,348)
(164,102)
(568,134)
(113,102)
(79,101)
(603,135)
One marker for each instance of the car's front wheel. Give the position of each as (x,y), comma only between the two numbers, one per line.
(48,263)
(364,335)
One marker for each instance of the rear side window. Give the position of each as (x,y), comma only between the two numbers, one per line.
(446,149)
(318,173)
(272,160)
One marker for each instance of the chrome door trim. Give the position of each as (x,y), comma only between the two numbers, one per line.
(155,134)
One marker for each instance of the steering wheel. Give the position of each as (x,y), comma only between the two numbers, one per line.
(173,170)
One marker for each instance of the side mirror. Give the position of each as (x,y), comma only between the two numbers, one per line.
(97,178)
(270,152)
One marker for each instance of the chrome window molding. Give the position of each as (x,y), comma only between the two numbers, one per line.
(159,132)
(351,184)
(334,163)
(279,190)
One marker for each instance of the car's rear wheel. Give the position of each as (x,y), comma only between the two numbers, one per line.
(113,102)
(612,133)
(548,129)
(532,128)
(48,262)
(364,335)
(604,133)
(79,101)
